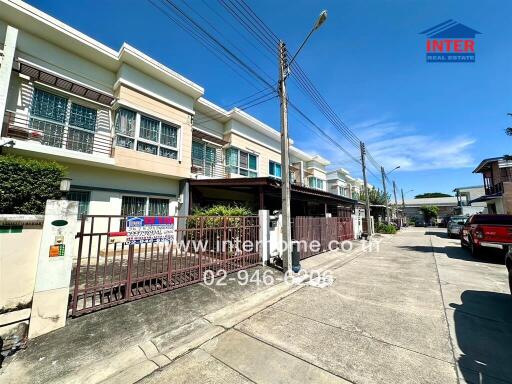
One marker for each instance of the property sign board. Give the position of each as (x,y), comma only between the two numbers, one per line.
(149,229)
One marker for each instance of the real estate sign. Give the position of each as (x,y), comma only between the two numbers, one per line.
(149,229)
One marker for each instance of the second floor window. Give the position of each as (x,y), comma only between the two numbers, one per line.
(74,131)
(204,157)
(315,182)
(274,169)
(155,137)
(241,162)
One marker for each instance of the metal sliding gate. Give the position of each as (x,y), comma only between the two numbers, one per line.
(325,230)
(110,271)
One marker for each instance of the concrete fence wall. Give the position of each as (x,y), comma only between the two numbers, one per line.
(20,239)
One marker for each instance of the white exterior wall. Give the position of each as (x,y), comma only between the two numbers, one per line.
(44,54)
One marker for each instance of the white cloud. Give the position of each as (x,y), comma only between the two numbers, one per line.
(392,143)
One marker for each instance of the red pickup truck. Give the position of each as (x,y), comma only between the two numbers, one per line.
(487,231)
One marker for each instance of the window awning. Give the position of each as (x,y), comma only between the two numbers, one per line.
(198,134)
(64,84)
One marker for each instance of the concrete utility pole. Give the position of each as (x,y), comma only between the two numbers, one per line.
(403,202)
(363,163)
(396,202)
(386,218)
(285,159)
(284,70)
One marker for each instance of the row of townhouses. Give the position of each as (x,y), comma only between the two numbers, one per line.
(138,138)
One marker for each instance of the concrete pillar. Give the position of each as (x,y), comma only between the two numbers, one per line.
(264,235)
(55,261)
(11,35)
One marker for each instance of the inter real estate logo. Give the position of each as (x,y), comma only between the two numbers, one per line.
(450,42)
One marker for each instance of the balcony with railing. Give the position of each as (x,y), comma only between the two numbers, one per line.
(494,189)
(73,135)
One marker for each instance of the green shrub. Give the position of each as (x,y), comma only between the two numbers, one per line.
(232,211)
(386,228)
(26,184)
(223,210)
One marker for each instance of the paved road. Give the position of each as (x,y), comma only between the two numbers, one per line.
(420,310)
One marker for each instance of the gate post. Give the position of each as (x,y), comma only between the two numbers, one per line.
(55,261)
(264,235)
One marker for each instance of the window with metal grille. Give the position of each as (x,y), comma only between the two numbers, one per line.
(205,157)
(48,115)
(82,117)
(169,153)
(83,198)
(133,206)
(125,128)
(51,134)
(79,140)
(169,135)
(149,128)
(241,162)
(158,207)
(49,106)
(147,148)
(162,138)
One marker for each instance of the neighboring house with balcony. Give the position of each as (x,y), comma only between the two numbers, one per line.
(248,165)
(340,182)
(497,177)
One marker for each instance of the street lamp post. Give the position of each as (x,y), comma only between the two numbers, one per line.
(284,70)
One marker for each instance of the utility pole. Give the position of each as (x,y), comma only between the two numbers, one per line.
(396,203)
(285,160)
(403,202)
(363,163)
(386,218)
(284,69)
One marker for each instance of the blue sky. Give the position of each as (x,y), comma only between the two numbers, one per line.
(436,121)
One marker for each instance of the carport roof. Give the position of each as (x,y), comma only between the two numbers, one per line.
(269,182)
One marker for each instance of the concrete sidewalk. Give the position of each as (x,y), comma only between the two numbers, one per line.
(382,321)
(128,342)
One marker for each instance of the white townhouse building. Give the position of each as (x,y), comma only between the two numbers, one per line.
(132,133)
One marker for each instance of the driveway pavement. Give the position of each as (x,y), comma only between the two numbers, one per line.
(420,310)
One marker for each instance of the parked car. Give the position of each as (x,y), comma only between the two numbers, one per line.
(487,231)
(419,223)
(455,225)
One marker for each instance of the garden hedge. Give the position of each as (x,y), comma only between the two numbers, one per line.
(26,184)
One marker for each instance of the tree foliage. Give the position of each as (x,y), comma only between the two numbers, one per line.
(26,184)
(431,194)
(377,197)
(429,212)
